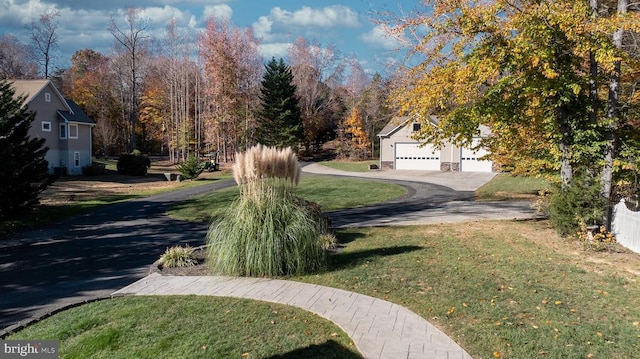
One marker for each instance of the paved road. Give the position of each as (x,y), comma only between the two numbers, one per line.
(98,253)
(91,255)
(433,197)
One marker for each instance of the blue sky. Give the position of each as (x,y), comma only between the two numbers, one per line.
(345,23)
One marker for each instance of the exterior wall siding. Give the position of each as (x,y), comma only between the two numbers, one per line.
(46,112)
(61,150)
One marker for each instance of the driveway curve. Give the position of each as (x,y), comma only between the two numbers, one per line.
(98,253)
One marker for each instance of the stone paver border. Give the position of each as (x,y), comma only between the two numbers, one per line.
(379,329)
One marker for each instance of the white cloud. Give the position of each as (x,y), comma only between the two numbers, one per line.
(219,11)
(280,23)
(330,16)
(20,13)
(380,38)
(277,50)
(160,16)
(262,28)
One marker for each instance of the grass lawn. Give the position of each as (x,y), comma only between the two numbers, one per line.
(499,288)
(72,195)
(506,187)
(508,289)
(331,193)
(350,166)
(191,327)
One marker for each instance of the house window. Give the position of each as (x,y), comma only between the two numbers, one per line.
(47,97)
(76,159)
(46,126)
(73,131)
(63,130)
(416,127)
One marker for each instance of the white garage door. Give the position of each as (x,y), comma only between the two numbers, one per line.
(470,160)
(410,156)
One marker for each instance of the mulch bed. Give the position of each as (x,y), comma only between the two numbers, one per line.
(199,269)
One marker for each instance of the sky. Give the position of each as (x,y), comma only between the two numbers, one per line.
(347,24)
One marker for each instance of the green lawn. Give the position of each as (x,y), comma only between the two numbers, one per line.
(508,289)
(44,214)
(507,187)
(515,289)
(190,327)
(331,193)
(351,166)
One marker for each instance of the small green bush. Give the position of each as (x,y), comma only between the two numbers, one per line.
(178,257)
(191,168)
(133,164)
(579,203)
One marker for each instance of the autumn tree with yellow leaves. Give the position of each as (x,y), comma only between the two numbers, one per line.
(522,69)
(356,144)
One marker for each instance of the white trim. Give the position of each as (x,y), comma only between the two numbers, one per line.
(46,126)
(76,159)
(63,131)
(47,97)
(70,126)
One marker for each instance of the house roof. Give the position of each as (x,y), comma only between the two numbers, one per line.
(76,114)
(31,89)
(397,123)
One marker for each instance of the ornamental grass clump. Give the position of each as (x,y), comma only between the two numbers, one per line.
(178,257)
(267,231)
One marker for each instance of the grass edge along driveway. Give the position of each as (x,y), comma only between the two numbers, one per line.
(331,193)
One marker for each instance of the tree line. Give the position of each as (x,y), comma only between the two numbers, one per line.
(199,93)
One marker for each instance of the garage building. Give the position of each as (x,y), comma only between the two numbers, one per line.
(398,150)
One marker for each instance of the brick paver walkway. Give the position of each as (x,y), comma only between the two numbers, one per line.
(379,329)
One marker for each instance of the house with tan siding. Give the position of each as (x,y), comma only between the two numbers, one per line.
(400,151)
(61,122)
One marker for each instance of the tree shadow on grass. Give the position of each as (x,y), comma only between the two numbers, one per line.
(327,350)
(343,260)
(348,237)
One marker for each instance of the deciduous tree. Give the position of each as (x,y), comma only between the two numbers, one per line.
(317,73)
(16,59)
(358,144)
(131,40)
(45,38)
(521,68)
(233,68)
(90,83)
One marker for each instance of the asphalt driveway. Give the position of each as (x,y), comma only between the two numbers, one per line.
(95,254)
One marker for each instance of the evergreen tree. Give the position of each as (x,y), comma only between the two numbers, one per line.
(24,171)
(280,122)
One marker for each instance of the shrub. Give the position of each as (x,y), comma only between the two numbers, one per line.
(571,206)
(267,231)
(191,168)
(178,257)
(133,164)
(94,169)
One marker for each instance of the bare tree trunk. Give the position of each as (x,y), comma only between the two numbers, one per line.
(593,70)
(613,120)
